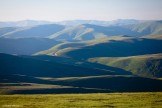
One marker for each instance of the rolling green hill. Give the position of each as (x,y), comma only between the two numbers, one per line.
(108,47)
(79,63)
(143,65)
(125,52)
(22,74)
(44,75)
(75,45)
(53,50)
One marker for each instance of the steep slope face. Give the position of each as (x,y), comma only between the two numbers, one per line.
(5,30)
(25,46)
(84,31)
(144,65)
(112,30)
(90,32)
(79,32)
(55,49)
(40,31)
(146,28)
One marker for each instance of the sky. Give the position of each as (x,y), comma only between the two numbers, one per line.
(59,10)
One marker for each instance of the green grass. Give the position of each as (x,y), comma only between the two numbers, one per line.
(142,65)
(63,47)
(111,100)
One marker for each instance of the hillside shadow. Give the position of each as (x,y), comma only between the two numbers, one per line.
(119,84)
(15,69)
(130,47)
(58,91)
(103,84)
(39,68)
(113,30)
(81,63)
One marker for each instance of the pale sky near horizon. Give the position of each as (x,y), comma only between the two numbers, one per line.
(58,10)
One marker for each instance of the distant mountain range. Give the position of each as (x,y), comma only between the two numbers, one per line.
(25,23)
(118,22)
(88,31)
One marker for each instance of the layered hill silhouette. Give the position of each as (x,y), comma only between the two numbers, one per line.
(108,47)
(125,52)
(30,75)
(80,56)
(84,31)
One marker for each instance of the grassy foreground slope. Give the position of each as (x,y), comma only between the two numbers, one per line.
(144,65)
(117,100)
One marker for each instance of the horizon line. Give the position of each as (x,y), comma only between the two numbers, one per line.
(78,20)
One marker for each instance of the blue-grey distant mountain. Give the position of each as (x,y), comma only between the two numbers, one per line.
(82,32)
(25,46)
(118,22)
(40,31)
(91,32)
(146,28)
(23,23)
